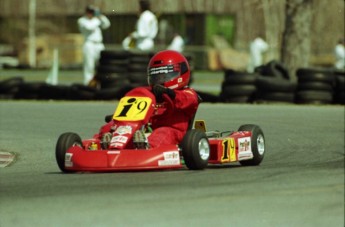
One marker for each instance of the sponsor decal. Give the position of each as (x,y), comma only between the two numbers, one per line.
(171,155)
(244,148)
(68,160)
(117,145)
(164,69)
(119,139)
(121,130)
(170,158)
(244,144)
(168,162)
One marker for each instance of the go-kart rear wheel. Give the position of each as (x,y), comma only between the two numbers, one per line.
(257,144)
(195,149)
(65,141)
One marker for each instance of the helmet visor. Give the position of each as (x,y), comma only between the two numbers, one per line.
(162,74)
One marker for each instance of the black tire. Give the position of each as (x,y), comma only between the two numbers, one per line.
(314,97)
(82,92)
(55,92)
(141,58)
(257,144)
(237,90)
(114,62)
(195,149)
(316,86)
(340,83)
(273,69)
(240,79)
(138,78)
(340,97)
(137,67)
(29,90)
(315,75)
(114,93)
(113,80)
(285,97)
(110,54)
(275,84)
(279,70)
(65,141)
(10,85)
(104,69)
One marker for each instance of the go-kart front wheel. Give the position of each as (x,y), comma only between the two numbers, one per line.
(65,141)
(195,149)
(257,144)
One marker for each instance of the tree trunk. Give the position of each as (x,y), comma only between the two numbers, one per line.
(296,38)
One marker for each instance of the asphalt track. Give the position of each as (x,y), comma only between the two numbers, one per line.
(299,183)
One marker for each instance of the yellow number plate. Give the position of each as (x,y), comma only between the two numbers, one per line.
(229,150)
(132,108)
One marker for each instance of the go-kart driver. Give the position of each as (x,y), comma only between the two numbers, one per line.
(169,73)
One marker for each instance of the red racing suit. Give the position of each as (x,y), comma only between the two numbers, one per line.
(170,127)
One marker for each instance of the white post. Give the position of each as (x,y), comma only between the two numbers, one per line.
(32,36)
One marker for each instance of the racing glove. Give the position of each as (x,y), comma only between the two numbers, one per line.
(159,90)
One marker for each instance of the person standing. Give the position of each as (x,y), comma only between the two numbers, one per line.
(256,49)
(90,26)
(177,43)
(146,29)
(339,52)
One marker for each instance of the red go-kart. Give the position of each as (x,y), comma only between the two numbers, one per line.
(197,149)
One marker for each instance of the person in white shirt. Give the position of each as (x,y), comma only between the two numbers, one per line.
(339,52)
(146,30)
(256,49)
(90,26)
(177,43)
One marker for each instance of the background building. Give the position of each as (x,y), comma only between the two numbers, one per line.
(198,21)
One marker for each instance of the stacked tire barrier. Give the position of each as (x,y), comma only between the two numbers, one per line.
(271,83)
(120,71)
(17,88)
(315,86)
(238,87)
(112,69)
(137,68)
(274,84)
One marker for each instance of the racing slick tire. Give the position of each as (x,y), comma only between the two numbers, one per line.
(65,141)
(195,149)
(257,144)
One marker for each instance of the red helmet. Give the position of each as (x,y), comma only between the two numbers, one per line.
(170,69)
